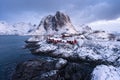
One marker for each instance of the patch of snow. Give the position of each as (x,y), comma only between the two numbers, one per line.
(48,74)
(84,52)
(61,63)
(104,72)
(46,47)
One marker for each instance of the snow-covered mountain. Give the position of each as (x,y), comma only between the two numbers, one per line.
(57,24)
(16,29)
(94,47)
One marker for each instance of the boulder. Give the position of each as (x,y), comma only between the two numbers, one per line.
(55,69)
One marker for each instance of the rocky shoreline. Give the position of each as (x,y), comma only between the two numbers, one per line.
(55,69)
(65,68)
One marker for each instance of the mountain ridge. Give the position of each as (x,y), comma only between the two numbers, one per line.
(20,28)
(59,23)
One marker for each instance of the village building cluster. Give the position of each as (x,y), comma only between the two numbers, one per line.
(64,38)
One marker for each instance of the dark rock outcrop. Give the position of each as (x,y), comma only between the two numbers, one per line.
(48,70)
(60,19)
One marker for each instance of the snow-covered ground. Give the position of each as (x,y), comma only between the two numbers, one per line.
(93,50)
(103,72)
(106,52)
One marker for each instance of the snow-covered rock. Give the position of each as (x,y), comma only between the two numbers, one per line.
(46,48)
(100,35)
(35,38)
(61,63)
(107,52)
(103,72)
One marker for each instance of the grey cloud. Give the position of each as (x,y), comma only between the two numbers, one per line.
(84,11)
(101,10)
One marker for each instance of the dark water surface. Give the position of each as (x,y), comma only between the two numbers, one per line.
(12,53)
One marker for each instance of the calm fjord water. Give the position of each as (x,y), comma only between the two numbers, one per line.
(12,53)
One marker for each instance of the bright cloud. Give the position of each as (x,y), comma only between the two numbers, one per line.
(107,25)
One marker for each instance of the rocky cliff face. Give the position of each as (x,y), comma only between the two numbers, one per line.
(59,23)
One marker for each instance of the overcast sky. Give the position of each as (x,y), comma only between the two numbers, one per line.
(96,13)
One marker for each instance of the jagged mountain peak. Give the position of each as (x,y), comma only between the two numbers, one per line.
(58,23)
(58,20)
(62,18)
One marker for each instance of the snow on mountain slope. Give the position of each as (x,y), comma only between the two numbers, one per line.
(84,28)
(4,29)
(100,35)
(57,24)
(24,28)
(16,29)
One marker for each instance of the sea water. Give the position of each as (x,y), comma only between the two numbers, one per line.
(11,54)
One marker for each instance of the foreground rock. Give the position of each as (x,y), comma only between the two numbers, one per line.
(104,72)
(54,69)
